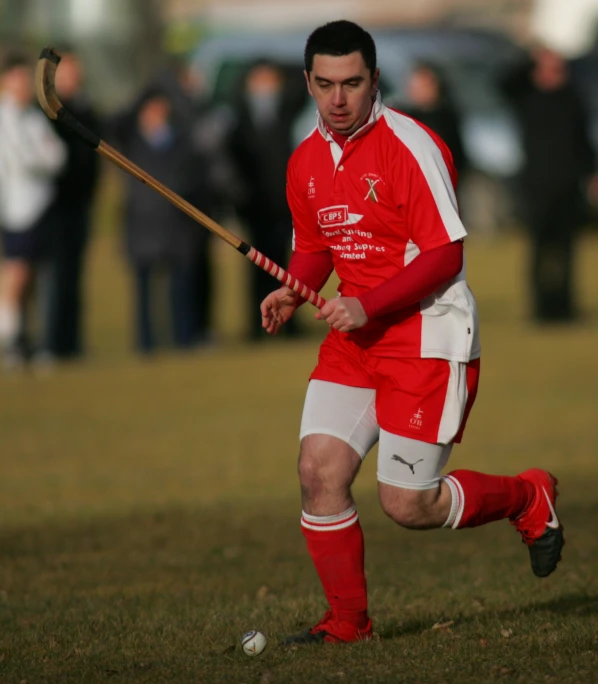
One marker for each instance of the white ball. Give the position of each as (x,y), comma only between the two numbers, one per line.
(253,643)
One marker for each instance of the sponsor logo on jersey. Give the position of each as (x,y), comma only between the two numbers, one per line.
(337,216)
(311,188)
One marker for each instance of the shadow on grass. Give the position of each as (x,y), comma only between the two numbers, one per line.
(580,604)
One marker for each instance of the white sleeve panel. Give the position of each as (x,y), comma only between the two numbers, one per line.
(429,158)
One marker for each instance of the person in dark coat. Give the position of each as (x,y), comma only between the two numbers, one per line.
(260,146)
(159,238)
(209,123)
(76,187)
(559,160)
(430,101)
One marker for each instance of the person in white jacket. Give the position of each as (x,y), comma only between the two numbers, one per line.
(31,156)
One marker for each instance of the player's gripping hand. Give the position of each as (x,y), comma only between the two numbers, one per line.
(343,314)
(277,308)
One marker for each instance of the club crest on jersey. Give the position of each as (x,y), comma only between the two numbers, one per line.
(372,180)
(337,216)
(311,188)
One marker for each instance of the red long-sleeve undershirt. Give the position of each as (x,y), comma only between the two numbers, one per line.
(418,280)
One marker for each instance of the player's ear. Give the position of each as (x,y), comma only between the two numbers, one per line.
(375,83)
(306,74)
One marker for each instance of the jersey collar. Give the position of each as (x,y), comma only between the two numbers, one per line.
(375,114)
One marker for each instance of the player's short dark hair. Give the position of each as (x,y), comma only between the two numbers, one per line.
(339,38)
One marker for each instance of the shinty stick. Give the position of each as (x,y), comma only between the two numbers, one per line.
(50,103)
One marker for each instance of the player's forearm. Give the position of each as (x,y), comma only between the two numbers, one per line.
(313,269)
(427,273)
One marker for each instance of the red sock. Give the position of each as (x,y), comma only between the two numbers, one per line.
(479,499)
(335,544)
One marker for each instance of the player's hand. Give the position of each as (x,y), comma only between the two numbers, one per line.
(277,308)
(343,314)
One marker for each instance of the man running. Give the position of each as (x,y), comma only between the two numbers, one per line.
(372,194)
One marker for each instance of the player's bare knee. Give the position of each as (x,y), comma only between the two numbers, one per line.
(316,476)
(326,464)
(311,477)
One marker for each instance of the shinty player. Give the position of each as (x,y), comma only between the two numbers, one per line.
(372,194)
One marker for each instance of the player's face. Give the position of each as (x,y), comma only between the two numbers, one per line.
(343,89)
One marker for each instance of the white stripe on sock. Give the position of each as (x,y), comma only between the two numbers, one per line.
(454,501)
(457,504)
(461,498)
(329,523)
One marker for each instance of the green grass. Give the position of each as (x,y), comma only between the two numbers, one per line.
(149,510)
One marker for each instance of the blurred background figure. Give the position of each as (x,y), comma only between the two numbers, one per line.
(160,239)
(260,145)
(430,101)
(559,164)
(76,187)
(209,126)
(31,157)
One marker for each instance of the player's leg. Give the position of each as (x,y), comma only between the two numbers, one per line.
(527,500)
(338,429)
(327,467)
(466,498)
(410,486)
(413,493)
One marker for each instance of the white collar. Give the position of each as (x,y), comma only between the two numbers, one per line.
(377,111)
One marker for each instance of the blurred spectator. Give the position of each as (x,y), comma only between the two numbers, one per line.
(31,156)
(430,101)
(261,144)
(159,238)
(76,187)
(209,125)
(559,162)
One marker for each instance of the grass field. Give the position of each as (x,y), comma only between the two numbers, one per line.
(149,509)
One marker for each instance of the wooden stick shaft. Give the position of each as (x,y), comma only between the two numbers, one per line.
(251,253)
(127,165)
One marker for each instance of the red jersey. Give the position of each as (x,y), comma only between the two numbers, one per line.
(375,204)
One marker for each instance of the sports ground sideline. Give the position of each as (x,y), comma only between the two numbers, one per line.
(149,509)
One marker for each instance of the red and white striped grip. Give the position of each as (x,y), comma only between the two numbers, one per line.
(285,278)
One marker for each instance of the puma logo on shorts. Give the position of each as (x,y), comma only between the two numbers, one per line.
(404,462)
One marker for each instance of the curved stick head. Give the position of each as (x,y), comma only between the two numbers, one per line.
(44,82)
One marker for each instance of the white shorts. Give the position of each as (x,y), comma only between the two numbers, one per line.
(349,413)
